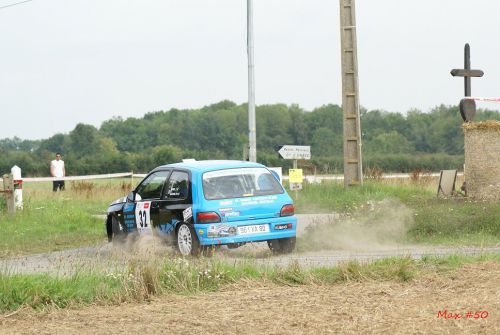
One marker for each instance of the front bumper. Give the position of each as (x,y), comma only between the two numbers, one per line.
(202,231)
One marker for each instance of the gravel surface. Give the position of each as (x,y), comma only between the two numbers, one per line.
(107,255)
(248,307)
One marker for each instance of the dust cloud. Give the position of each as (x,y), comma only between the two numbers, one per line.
(142,246)
(378,224)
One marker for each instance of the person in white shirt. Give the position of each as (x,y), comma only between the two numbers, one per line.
(57,171)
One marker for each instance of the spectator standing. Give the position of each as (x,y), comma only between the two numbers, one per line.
(57,171)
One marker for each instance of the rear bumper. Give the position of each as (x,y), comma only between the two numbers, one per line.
(202,231)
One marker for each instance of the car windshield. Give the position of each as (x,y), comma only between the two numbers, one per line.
(242,182)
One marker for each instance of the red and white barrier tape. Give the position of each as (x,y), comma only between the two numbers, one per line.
(312,179)
(483,99)
(140,175)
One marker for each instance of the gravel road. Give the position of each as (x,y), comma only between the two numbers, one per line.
(106,255)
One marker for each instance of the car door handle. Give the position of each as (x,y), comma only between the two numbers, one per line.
(155,205)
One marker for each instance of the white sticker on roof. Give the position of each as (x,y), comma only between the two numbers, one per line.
(233,172)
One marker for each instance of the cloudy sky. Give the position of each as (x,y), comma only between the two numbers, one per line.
(69,61)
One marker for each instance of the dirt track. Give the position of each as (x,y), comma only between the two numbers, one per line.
(106,255)
(252,308)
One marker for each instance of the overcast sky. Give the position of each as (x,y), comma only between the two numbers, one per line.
(69,61)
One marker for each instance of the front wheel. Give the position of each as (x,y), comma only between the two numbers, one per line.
(282,245)
(187,241)
(119,234)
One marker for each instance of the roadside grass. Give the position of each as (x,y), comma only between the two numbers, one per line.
(144,279)
(92,196)
(42,290)
(330,197)
(456,221)
(48,223)
(54,221)
(67,219)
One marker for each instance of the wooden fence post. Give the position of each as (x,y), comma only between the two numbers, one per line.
(8,192)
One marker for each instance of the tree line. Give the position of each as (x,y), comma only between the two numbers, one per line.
(391,141)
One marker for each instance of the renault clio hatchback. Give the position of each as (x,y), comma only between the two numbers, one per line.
(201,204)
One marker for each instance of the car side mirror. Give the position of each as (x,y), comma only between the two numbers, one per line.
(131,196)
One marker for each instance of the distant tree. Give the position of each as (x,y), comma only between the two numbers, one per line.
(445,131)
(419,124)
(326,143)
(166,154)
(389,143)
(298,128)
(84,140)
(376,122)
(55,143)
(273,123)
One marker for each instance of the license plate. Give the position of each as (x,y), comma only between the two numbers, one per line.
(255,229)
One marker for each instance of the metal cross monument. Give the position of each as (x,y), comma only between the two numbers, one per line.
(467,106)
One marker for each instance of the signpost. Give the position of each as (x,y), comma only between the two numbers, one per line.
(295,152)
(295,178)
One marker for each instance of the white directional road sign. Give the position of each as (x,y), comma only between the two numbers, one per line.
(295,152)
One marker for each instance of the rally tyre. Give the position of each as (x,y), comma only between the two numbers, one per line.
(282,245)
(275,246)
(288,245)
(119,235)
(187,241)
(209,250)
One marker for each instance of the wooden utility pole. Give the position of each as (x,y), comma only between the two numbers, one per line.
(353,167)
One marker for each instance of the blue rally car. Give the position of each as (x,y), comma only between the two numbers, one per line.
(201,204)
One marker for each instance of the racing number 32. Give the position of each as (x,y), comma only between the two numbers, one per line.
(142,218)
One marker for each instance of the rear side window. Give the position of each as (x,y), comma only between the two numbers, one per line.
(177,187)
(152,186)
(236,183)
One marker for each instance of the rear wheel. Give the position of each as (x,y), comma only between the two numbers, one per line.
(288,245)
(235,245)
(209,250)
(282,245)
(187,241)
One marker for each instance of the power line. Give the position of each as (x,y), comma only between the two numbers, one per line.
(15,4)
